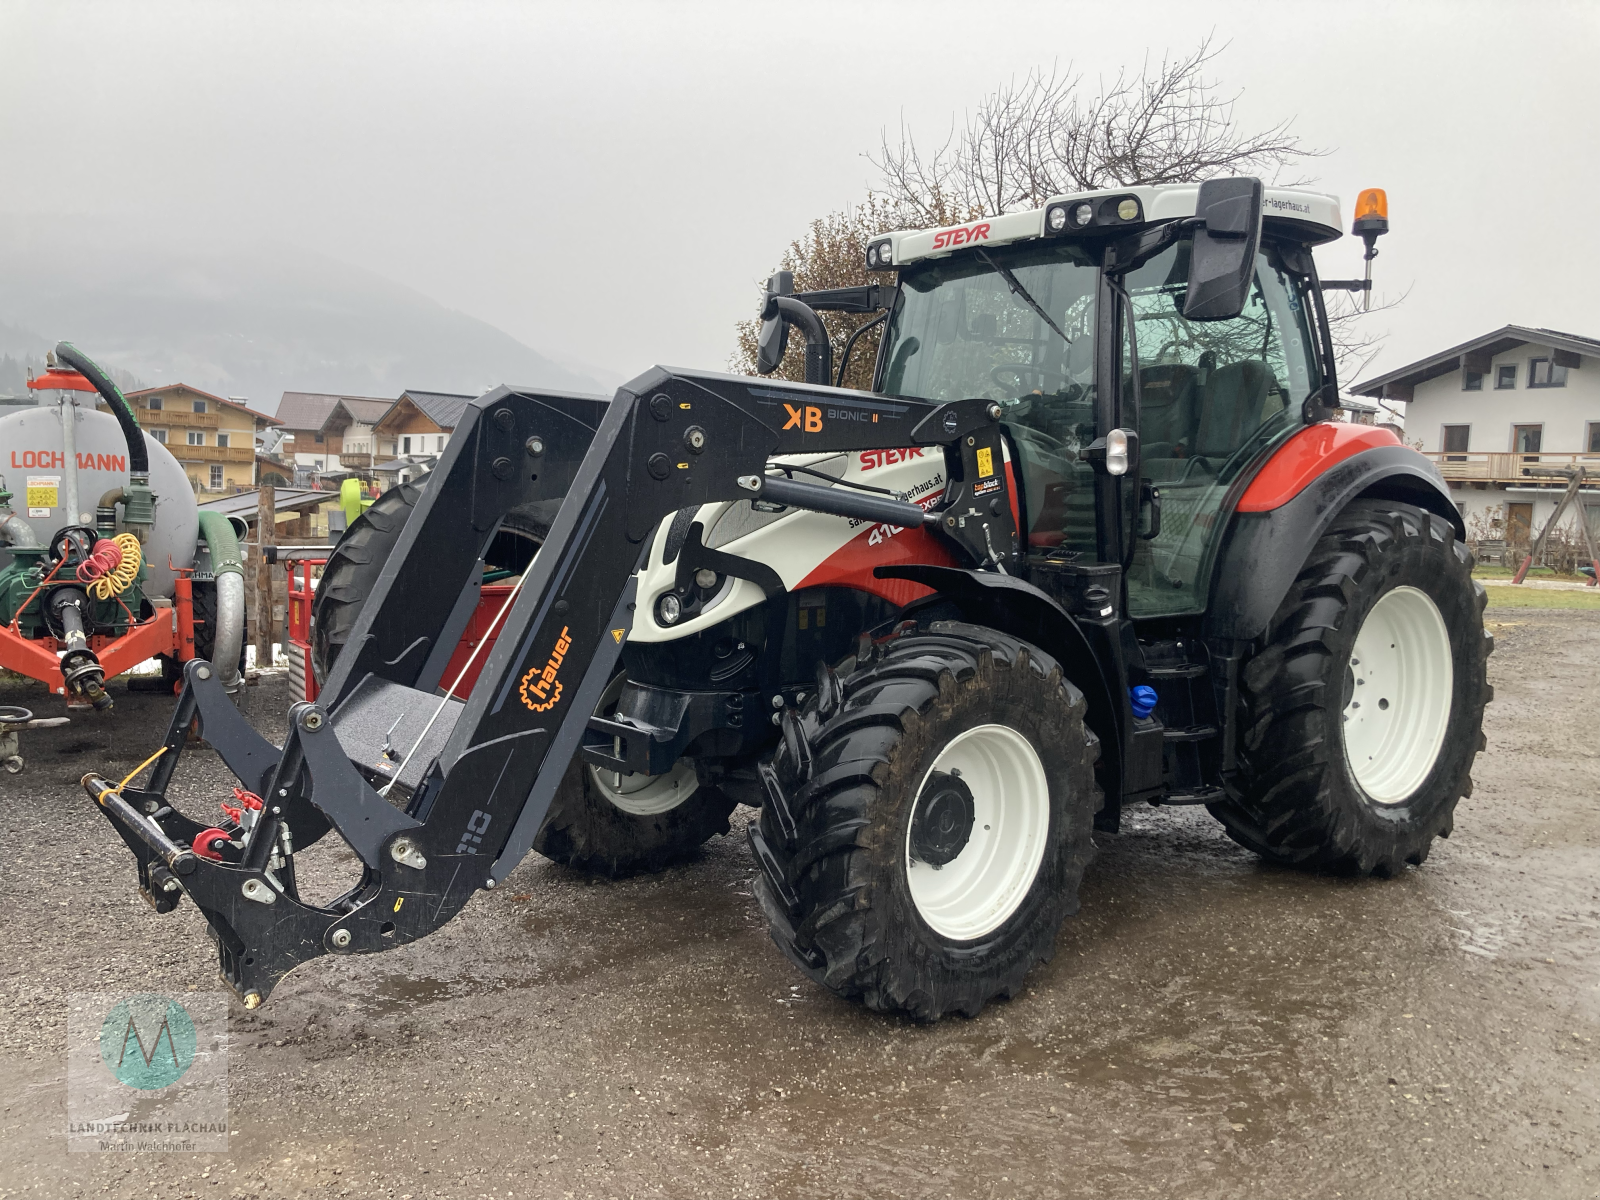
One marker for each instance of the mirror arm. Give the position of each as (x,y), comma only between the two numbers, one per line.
(872,297)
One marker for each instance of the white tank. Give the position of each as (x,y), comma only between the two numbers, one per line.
(33,465)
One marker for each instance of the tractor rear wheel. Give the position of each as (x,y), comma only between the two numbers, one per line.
(928,821)
(1362,713)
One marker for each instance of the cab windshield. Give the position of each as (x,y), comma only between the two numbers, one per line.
(1014,325)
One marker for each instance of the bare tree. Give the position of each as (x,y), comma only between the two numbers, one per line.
(1025,142)
(1048,136)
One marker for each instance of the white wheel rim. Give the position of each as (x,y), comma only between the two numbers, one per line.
(977,891)
(1399,707)
(647,795)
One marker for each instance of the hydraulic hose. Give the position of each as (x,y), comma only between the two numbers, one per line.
(228,567)
(138,459)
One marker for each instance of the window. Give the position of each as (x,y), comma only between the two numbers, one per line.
(222,440)
(1472,381)
(154,403)
(1455,441)
(160,435)
(1591,440)
(197,437)
(1505,377)
(439,443)
(1544,373)
(199,406)
(405,445)
(216,478)
(1214,395)
(317,437)
(1525,439)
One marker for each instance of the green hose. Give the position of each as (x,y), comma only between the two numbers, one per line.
(218,533)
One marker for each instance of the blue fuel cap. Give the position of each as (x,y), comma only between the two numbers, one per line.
(1143,698)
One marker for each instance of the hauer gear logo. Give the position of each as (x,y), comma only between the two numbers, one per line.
(540,688)
(947,238)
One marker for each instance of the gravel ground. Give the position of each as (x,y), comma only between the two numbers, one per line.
(1208,1026)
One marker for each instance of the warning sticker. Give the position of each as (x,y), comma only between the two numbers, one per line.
(985,462)
(44,492)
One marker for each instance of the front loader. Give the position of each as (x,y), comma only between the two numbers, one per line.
(1094,539)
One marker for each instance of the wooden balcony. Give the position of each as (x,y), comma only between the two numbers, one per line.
(1509,468)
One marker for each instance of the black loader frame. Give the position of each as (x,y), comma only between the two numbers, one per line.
(481,772)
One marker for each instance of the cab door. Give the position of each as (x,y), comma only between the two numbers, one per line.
(1213,395)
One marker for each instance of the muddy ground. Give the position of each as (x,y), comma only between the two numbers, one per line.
(1208,1026)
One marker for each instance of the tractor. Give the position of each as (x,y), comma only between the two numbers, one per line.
(1096,538)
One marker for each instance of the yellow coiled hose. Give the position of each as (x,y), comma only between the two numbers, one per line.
(119,579)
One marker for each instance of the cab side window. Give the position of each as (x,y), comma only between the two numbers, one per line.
(1213,393)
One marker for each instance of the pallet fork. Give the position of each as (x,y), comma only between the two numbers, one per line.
(480,773)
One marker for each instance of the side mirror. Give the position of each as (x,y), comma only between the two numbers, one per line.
(1223,259)
(773,341)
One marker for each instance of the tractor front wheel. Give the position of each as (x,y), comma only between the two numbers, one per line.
(1362,713)
(928,821)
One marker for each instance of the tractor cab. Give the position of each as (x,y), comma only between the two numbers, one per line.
(1085,321)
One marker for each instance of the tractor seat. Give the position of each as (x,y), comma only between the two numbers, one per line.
(1232,407)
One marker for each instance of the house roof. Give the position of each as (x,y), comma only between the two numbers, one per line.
(355,408)
(1397,384)
(444,409)
(244,504)
(308,410)
(173,387)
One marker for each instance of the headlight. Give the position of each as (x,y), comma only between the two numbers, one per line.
(872,258)
(1083,214)
(1056,219)
(669,609)
(886,254)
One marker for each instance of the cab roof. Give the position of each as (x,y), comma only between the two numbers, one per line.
(1313,217)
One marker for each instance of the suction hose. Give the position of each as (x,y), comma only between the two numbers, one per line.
(228,567)
(139,511)
(69,355)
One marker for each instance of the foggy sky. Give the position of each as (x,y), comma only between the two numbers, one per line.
(608,182)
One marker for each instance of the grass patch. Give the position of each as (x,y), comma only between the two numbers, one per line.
(1492,572)
(1507,597)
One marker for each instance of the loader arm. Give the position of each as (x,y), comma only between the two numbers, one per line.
(480,771)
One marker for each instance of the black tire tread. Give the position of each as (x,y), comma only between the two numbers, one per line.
(1280,806)
(838,936)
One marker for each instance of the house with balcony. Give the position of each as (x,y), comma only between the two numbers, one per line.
(314,445)
(212,436)
(350,421)
(1507,416)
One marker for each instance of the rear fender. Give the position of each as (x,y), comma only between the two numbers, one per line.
(1284,511)
(1015,606)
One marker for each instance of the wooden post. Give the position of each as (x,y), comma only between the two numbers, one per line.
(266,535)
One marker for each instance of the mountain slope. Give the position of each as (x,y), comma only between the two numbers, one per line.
(250,320)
